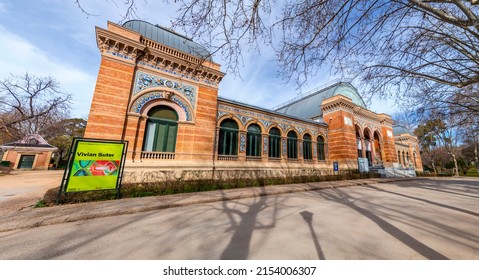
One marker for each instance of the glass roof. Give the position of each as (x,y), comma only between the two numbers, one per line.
(168,37)
(309,106)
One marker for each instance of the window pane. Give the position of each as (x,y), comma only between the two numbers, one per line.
(149,137)
(171,139)
(160,144)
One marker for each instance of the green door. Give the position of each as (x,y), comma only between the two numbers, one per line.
(26,162)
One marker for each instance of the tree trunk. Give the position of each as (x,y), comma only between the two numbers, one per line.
(455,165)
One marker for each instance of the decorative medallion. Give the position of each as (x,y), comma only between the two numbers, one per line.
(266,123)
(348,121)
(221,113)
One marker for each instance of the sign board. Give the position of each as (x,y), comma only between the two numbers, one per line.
(94,165)
(335,166)
(363,165)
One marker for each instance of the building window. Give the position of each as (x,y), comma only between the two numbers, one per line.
(321,153)
(399,156)
(274,143)
(253,141)
(407,157)
(307,148)
(228,138)
(403,158)
(161,130)
(292,145)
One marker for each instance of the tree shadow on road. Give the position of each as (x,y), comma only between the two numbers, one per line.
(238,247)
(341,197)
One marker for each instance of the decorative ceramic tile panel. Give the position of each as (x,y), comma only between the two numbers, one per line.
(265,145)
(145,80)
(140,102)
(242,142)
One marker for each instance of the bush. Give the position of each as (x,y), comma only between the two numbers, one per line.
(178,185)
(6,167)
(472,172)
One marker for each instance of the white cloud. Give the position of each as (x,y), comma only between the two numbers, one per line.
(19,56)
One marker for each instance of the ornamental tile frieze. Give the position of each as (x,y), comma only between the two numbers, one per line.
(267,120)
(144,81)
(184,76)
(140,102)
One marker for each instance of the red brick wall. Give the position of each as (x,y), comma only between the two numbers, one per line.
(341,138)
(110,100)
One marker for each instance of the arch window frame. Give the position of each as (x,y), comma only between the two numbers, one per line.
(253,141)
(228,138)
(320,147)
(307,147)
(292,145)
(274,149)
(161,130)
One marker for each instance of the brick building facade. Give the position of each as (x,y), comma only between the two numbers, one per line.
(159,91)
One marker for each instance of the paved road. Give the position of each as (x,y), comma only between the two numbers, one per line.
(427,219)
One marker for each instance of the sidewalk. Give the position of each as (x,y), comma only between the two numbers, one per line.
(35,217)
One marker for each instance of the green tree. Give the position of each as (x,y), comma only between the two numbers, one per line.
(61,134)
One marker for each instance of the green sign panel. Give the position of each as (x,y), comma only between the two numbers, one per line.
(95,165)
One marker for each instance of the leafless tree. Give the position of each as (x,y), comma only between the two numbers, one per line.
(419,50)
(29,104)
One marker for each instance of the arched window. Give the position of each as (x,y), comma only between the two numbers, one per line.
(414,157)
(403,158)
(399,156)
(407,157)
(161,130)
(274,143)
(228,138)
(253,141)
(321,154)
(307,148)
(292,145)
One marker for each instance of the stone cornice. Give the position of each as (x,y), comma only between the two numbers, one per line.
(336,103)
(120,43)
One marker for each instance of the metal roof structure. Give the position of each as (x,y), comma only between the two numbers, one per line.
(320,122)
(399,129)
(308,105)
(30,141)
(168,38)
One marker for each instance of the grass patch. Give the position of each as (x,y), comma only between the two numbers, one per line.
(40,204)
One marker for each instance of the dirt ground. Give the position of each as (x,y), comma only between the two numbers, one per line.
(21,190)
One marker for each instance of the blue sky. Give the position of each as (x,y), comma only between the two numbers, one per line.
(54,38)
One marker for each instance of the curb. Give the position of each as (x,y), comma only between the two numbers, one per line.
(37,217)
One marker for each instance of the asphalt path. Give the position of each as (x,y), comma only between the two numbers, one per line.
(423,219)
